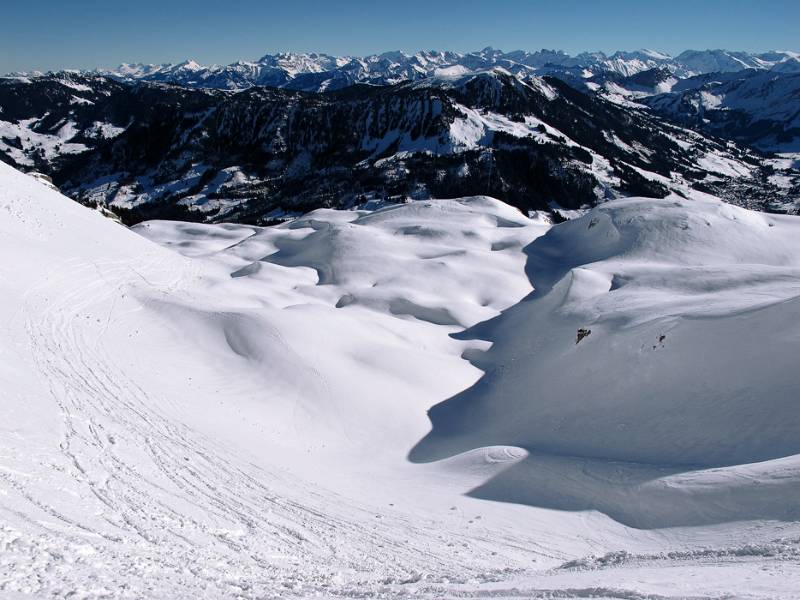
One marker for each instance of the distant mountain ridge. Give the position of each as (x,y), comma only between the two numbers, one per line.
(321,72)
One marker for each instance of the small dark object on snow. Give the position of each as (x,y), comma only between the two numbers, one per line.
(582,333)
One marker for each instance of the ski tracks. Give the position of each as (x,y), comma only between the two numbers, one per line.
(160,504)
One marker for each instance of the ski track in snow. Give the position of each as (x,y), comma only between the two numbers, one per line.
(131,501)
(153,511)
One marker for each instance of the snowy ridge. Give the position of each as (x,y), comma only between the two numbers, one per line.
(760,108)
(235,418)
(317,72)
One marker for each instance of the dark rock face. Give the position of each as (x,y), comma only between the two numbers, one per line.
(161,151)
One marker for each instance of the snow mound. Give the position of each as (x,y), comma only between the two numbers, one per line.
(660,333)
(671,293)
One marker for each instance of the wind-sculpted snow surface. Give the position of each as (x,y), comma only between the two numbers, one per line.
(661,333)
(226,411)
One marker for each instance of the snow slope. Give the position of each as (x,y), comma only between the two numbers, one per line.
(684,381)
(228,412)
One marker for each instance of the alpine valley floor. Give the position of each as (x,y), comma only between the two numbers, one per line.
(225,411)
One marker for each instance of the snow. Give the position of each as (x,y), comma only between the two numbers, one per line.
(105,130)
(50,145)
(393,67)
(666,85)
(755,96)
(715,162)
(610,137)
(700,273)
(78,87)
(475,128)
(144,189)
(452,71)
(545,88)
(617,94)
(228,411)
(782,180)
(81,101)
(709,100)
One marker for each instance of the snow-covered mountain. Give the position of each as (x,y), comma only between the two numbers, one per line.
(754,106)
(621,77)
(229,411)
(316,72)
(697,62)
(758,108)
(153,150)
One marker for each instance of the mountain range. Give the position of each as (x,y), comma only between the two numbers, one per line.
(252,142)
(319,72)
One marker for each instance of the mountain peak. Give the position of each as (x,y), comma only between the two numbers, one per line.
(189,65)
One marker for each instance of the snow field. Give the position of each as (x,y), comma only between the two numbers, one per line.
(229,411)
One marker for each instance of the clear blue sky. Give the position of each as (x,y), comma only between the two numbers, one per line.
(53,34)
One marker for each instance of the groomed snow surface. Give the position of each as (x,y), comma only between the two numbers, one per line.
(195,411)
